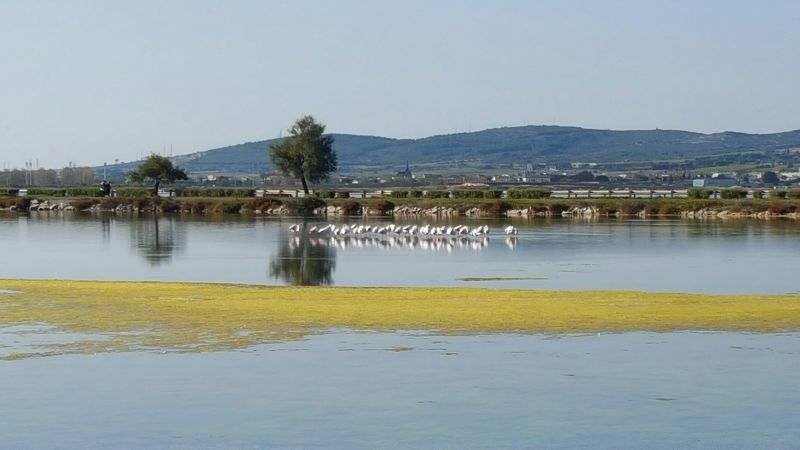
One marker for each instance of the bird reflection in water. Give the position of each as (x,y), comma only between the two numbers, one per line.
(438,243)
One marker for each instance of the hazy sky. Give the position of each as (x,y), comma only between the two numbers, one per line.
(93,81)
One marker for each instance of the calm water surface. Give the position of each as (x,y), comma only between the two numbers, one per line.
(351,390)
(654,255)
(356,389)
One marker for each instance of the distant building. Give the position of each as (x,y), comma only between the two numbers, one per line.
(713,182)
(405,173)
(536,178)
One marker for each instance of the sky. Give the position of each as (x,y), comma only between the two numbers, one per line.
(88,82)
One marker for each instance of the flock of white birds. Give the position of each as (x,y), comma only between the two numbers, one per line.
(424,231)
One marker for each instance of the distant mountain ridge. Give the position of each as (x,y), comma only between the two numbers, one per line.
(537,144)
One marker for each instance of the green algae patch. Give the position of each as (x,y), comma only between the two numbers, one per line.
(499,278)
(190,317)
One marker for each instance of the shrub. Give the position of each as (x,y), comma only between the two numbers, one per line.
(758,193)
(492,194)
(733,194)
(528,193)
(384,206)
(668,209)
(698,193)
(415,194)
(496,208)
(19,202)
(400,194)
(305,205)
(794,193)
(262,203)
(343,194)
(83,192)
(323,193)
(776,193)
(437,194)
(351,207)
(82,204)
(9,192)
(215,192)
(52,192)
(631,208)
(463,194)
(133,192)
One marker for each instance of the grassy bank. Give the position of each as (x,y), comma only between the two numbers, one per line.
(664,207)
(123,316)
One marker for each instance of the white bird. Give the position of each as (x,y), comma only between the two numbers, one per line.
(511,230)
(312,230)
(294,228)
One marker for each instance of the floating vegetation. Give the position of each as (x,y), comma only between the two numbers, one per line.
(499,278)
(191,317)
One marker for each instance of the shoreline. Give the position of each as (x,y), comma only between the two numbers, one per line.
(199,317)
(762,209)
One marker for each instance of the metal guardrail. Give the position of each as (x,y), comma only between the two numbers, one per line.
(561,193)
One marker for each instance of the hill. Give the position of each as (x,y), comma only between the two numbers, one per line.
(499,146)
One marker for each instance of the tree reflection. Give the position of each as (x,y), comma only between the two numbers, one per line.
(300,261)
(157,240)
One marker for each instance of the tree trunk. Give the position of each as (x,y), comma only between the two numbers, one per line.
(305,185)
(155,192)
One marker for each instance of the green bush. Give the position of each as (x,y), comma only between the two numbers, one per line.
(528,194)
(8,192)
(399,194)
(415,194)
(794,193)
(464,194)
(215,192)
(733,194)
(776,193)
(437,194)
(323,193)
(699,193)
(758,193)
(84,192)
(492,194)
(133,192)
(343,194)
(496,208)
(53,192)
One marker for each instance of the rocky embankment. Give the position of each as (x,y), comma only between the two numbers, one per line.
(277,208)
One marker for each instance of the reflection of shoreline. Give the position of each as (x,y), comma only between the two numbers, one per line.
(438,243)
(298,262)
(158,239)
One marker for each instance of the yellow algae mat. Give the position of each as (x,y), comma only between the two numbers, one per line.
(121,316)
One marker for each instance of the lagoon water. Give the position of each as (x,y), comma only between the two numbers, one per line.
(653,255)
(410,389)
(356,390)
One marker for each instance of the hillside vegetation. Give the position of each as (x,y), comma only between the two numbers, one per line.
(538,144)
